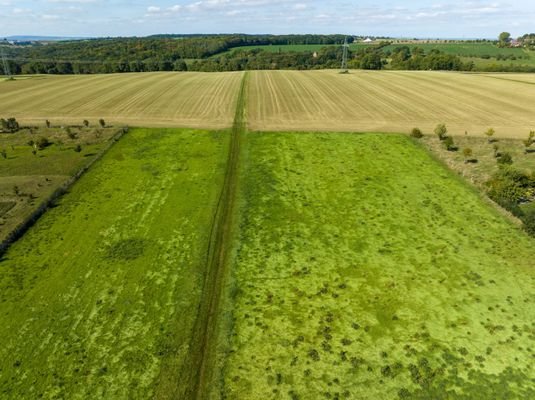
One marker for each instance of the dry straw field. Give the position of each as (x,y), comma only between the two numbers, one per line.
(391,102)
(146,99)
(383,101)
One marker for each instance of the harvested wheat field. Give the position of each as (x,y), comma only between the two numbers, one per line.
(390,102)
(141,99)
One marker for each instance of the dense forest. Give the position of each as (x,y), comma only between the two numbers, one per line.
(211,53)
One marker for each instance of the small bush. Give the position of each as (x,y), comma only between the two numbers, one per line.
(528,218)
(449,144)
(441,131)
(78,148)
(505,159)
(417,133)
(42,143)
(86,123)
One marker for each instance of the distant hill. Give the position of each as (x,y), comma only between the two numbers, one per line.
(29,38)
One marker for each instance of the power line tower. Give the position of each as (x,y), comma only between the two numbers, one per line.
(344,69)
(5,64)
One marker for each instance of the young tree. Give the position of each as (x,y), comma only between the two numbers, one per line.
(47,123)
(3,153)
(102,123)
(449,144)
(490,133)
(441,131)
(86,123)
(16,190)
(467,153)
(78,148)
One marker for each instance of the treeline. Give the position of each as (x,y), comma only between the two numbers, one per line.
(405,58)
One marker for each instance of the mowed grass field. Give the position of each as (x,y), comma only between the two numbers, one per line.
(100,297)
(139,99)
(365,270)
(389,102)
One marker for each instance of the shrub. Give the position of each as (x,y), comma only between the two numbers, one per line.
(529,222)
(467,153)
(42,143)
(449,144)
(102,123)
(78,148)
(441,131)
(505,159)
(86,123)
(508,187)
(417,133)
(47,123)
(9,125)
(490,133)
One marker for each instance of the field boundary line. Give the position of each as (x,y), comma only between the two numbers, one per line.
(48,202)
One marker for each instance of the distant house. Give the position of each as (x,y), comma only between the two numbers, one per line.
(515,43)
(367,40)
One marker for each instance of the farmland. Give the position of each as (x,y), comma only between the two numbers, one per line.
(389,102)
(283,100)
(155,99)
(365,270)
(96,299)
(294,260)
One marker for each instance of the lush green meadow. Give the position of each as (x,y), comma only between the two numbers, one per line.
(365,270)
(99,298)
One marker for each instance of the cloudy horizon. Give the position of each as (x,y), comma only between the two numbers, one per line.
(93,18)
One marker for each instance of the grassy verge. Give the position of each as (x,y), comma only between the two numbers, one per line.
(97,300)
(28,176)
(364,269)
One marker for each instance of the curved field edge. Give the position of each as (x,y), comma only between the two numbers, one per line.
(99,298)
(365,269)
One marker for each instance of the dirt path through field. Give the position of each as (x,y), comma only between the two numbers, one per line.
(217,259)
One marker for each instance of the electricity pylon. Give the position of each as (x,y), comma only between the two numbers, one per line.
(344,69)
(5,64)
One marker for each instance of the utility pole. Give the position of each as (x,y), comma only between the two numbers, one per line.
(344,69)
(5,64)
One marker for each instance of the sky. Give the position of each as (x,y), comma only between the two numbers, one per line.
(425,19)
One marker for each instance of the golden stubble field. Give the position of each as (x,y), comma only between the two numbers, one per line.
(380,101)
(171,99)
(384,101)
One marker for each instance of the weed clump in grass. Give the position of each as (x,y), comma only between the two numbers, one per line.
(505,159)
(126,249)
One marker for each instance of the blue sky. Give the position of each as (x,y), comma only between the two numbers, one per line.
(452,19)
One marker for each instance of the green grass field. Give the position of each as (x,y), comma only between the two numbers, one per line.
(98,299)
(366,270)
